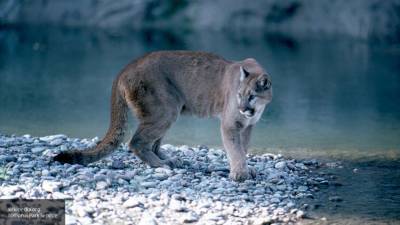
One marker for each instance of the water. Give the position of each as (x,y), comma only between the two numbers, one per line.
(334,99)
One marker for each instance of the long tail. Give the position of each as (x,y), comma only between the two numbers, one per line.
(112,139)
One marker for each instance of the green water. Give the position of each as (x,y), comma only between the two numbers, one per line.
(334,99)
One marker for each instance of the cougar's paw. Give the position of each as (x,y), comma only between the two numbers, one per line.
(174,162)
(242,175)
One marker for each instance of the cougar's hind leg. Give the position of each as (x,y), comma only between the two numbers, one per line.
(155,109)
(141,145)
(146,141)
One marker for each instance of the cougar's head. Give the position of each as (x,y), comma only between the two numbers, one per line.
(255,89)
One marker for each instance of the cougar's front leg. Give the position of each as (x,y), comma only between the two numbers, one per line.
(245,137)
(231,137)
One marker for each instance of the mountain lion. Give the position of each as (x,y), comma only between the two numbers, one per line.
(160,86)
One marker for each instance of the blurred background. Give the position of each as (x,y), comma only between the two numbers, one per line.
(334,65)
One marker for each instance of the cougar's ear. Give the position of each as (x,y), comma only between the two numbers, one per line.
(243,73)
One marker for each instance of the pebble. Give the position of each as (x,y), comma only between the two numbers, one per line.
(117,164)
(300,214)
(177,206)
(131,202)
(160,176)
(101,185)
(189,218)
(37,149)
(147,220)
(56,142)
(335,199)
(148,184)
(51,186)
(45,172)
(302,188)
(280,165)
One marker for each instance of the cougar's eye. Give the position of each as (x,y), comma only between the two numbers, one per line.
(251,97)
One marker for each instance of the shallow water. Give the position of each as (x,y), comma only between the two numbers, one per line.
(334,99)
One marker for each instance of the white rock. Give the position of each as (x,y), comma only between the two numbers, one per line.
(275,200)
(177,206)
(85,220)
(51,186)
(189,218)
(163,170)
(37,149)
(56,142)
(101,185)
(70,220)
(167,146)
(300,214)
(280,165)
(301,166)
(131,202)
(81,211)
(59,195)
(148,184)
(10,189)
(147,220)
(45,172)
(160,176)
(302,188)
(52,137)
(263,220)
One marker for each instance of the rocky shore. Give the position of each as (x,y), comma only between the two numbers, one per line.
(121,190)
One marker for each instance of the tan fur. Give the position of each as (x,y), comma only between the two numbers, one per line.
(160,86)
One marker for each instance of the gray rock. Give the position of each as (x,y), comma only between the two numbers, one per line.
(275,200)
(118,164)
(302,188)
(335,199)
(7,158)
(37,150)
(281,187)
(160,176)
(148,184)
(100,177)
(56,142)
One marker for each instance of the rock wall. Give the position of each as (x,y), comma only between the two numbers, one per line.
(363,19)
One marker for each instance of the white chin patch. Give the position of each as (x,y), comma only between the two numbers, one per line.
(246,114)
